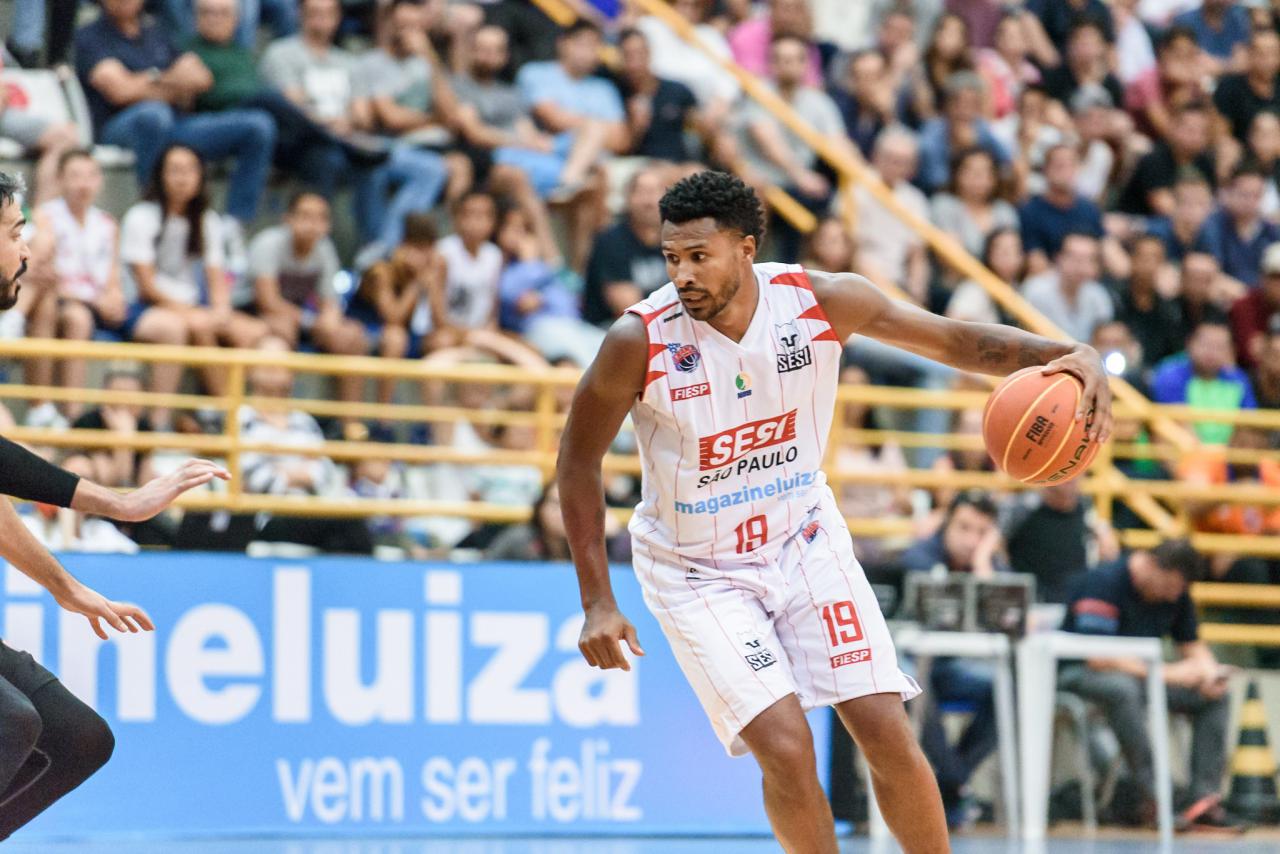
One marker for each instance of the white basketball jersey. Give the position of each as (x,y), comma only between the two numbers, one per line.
(732,434)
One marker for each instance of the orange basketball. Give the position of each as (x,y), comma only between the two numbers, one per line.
(1030,428)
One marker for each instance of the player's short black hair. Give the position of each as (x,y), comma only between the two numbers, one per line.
(11,188)
(725,198)
(1181,557)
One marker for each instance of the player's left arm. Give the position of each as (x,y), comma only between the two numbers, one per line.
(855,306)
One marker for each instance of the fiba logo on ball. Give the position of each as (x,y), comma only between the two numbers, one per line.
(743,384)
(685,356)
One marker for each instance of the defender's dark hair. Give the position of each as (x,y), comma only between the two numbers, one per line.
(725,198)
(1181,557)
(11,187)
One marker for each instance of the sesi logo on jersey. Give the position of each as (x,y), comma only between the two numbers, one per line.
(791,355)
(733,444)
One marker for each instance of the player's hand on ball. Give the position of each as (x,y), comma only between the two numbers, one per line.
(121,616)
(1085,364)
(601,634)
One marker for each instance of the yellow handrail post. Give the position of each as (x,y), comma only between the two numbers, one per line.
(234,400)
(545,408)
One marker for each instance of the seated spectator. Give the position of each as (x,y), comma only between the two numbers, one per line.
(1202,294)
(1240,97)
(304,147)
(1192,202)
(1205,376)
(1002,254)
(568,102)
(1263,148)
(830,247)
(1221,28)
(626,262)
(391,290)
(139,87)
(968,542)
(117,467)
(1266,376)
(1187,147)
(46,140)
(171,243)
(959,126)
(715,88)
(948,52)
(1006,65)
(1154,319)
(1144,594)
(1121,353)
(1176,79)
(888,249)
(468,300)
(1091,114)
(1253,314)
(1208,466)
(775,155)
(1069,292)
(543,536)
(325,82)
(292,474)
(866,99)
(292,267)
(752,41)
(280,15)
(658,110)
(1048,218)
(83,241)
(1053,535)
(536,302)
(408,96)
(1030,132)
(1086,62)
(1236,234)
(971,208)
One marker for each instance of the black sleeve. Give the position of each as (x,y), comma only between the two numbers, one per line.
(25,475)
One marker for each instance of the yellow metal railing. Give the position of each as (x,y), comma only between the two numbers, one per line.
(1166,500)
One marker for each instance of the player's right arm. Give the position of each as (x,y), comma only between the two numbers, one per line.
(602,400)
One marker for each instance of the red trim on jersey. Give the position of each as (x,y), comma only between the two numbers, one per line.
(827,334)
(656,350)
(795,280)
(814,312)
(651,376)
(649,317)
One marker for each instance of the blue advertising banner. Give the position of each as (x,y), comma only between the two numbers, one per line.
(353,696)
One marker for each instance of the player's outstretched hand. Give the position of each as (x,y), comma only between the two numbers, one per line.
(121,616)
(156,494)
(1086,365)
(601,634)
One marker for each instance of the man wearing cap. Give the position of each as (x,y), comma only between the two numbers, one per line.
(1257,311)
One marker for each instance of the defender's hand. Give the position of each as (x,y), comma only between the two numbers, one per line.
(600,636)
(122,616)
(1085,364)
(155,495)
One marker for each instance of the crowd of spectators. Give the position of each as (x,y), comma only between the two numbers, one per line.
(1117,163)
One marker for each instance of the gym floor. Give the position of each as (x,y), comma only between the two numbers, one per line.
(1254,843)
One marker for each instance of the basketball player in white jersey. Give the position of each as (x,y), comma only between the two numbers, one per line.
(729,373)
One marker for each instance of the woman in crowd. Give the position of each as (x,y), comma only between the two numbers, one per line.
(971,208)
(1001,254)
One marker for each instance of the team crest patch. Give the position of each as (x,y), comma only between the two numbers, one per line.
(743,384)
(810,531)
(792,355)
(685,356)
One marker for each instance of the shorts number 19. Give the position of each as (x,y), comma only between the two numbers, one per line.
(840,616)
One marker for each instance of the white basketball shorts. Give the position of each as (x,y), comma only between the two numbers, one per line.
(747,635)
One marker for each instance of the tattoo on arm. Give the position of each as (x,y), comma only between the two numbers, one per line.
(1013,350)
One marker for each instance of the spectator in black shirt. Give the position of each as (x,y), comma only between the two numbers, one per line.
(116,466)
(866,99)
(626,262)
(1149,191)
(1050,533)
(1086,62)
(1192,204)
(1240,97)
(1154,319)
(658,110)
(1144,595)
(1058,17)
